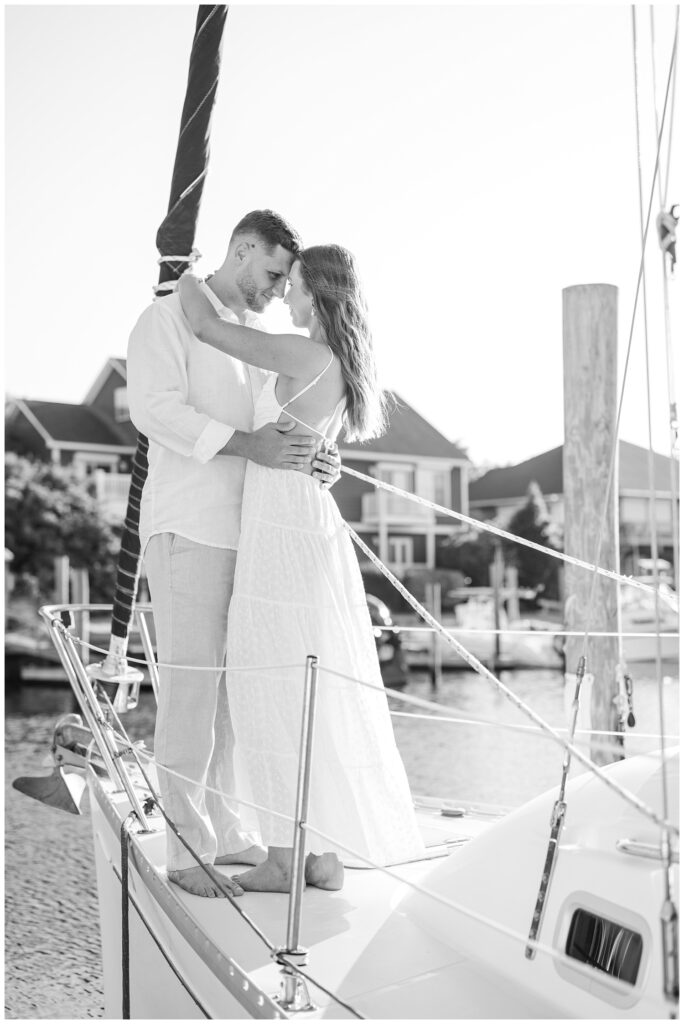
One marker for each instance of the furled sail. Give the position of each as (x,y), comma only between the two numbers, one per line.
(175,239)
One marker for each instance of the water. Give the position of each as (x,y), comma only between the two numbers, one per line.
(52,927)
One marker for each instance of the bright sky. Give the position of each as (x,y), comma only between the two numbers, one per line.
(477,159)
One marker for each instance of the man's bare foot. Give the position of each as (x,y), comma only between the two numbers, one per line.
(325,871)
(267,877)
(198,882)
(252,855)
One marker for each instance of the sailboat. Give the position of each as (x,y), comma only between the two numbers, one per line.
(566,906)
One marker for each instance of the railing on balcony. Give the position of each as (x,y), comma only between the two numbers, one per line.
(111,491)
(396,509)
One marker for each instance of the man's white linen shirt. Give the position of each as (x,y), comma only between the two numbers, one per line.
(188,399)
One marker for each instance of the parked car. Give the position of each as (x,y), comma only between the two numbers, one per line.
(393,665)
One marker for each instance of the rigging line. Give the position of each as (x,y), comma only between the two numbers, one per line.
(669,360)
(595,769)
(663,192)
(205,786)
(661,197)
(674,95)
(432,705)
(483,671)
(673,417)
(438,898)
(192,668)
(612,482)
(654,86)
(490,528)
(541,634)
(155,938)
(651,460)
(417,702)
(531,729)
(651,464)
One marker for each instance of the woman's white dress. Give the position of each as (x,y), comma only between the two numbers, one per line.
(298,591)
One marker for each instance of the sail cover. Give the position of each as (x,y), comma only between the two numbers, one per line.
(175,238)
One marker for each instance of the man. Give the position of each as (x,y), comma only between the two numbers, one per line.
(196,406)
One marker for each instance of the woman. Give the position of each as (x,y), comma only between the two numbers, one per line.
(298,591)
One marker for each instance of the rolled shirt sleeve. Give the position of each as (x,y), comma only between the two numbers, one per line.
(157,383)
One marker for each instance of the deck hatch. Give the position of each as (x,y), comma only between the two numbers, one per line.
(605,945)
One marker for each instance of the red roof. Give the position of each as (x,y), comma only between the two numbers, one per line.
(547,470)
(78,424)
(409,434)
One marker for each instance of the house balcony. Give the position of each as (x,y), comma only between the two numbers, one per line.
(397,511)
(111,491)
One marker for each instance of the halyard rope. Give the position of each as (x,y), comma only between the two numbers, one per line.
(499,532)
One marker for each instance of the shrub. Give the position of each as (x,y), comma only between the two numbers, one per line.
(51,511)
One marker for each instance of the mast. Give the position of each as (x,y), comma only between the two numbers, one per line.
(175,239)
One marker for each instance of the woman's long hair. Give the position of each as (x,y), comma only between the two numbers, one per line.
(330,276)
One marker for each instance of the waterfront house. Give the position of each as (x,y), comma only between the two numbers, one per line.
(499,492)
(99,438)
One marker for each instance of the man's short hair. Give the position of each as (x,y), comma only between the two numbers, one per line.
(270,228)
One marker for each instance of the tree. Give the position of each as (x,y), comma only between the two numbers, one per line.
(532,521)
(471,553)
(51,511)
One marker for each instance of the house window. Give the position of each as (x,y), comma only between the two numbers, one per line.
(403,477)
(88,462)
(400,552)
(121,413)
(441,487)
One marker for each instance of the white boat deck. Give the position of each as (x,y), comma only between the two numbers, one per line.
(375,958)
(361,946)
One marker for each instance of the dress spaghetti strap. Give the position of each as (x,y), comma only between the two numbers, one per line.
(323,434)
(311,382)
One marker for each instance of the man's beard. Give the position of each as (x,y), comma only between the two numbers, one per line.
(250,293)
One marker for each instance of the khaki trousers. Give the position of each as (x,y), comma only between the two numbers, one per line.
(190,588)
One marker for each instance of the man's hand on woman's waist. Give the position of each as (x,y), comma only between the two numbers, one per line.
(273,445)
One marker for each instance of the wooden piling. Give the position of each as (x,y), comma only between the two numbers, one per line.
(61,567)
(590,405)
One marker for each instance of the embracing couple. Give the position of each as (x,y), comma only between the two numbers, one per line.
(250,567)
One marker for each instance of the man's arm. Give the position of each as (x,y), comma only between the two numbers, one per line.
(157,395)
(157,384)
(272,445)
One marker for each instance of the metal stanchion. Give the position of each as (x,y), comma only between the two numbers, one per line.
(433,594)
(149,652)
(294,994)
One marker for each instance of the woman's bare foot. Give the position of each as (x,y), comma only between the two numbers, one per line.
(325,871)
(252,855)
(199,883)
(271,876)
(275,874)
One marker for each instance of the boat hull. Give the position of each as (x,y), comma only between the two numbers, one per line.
(175,973)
